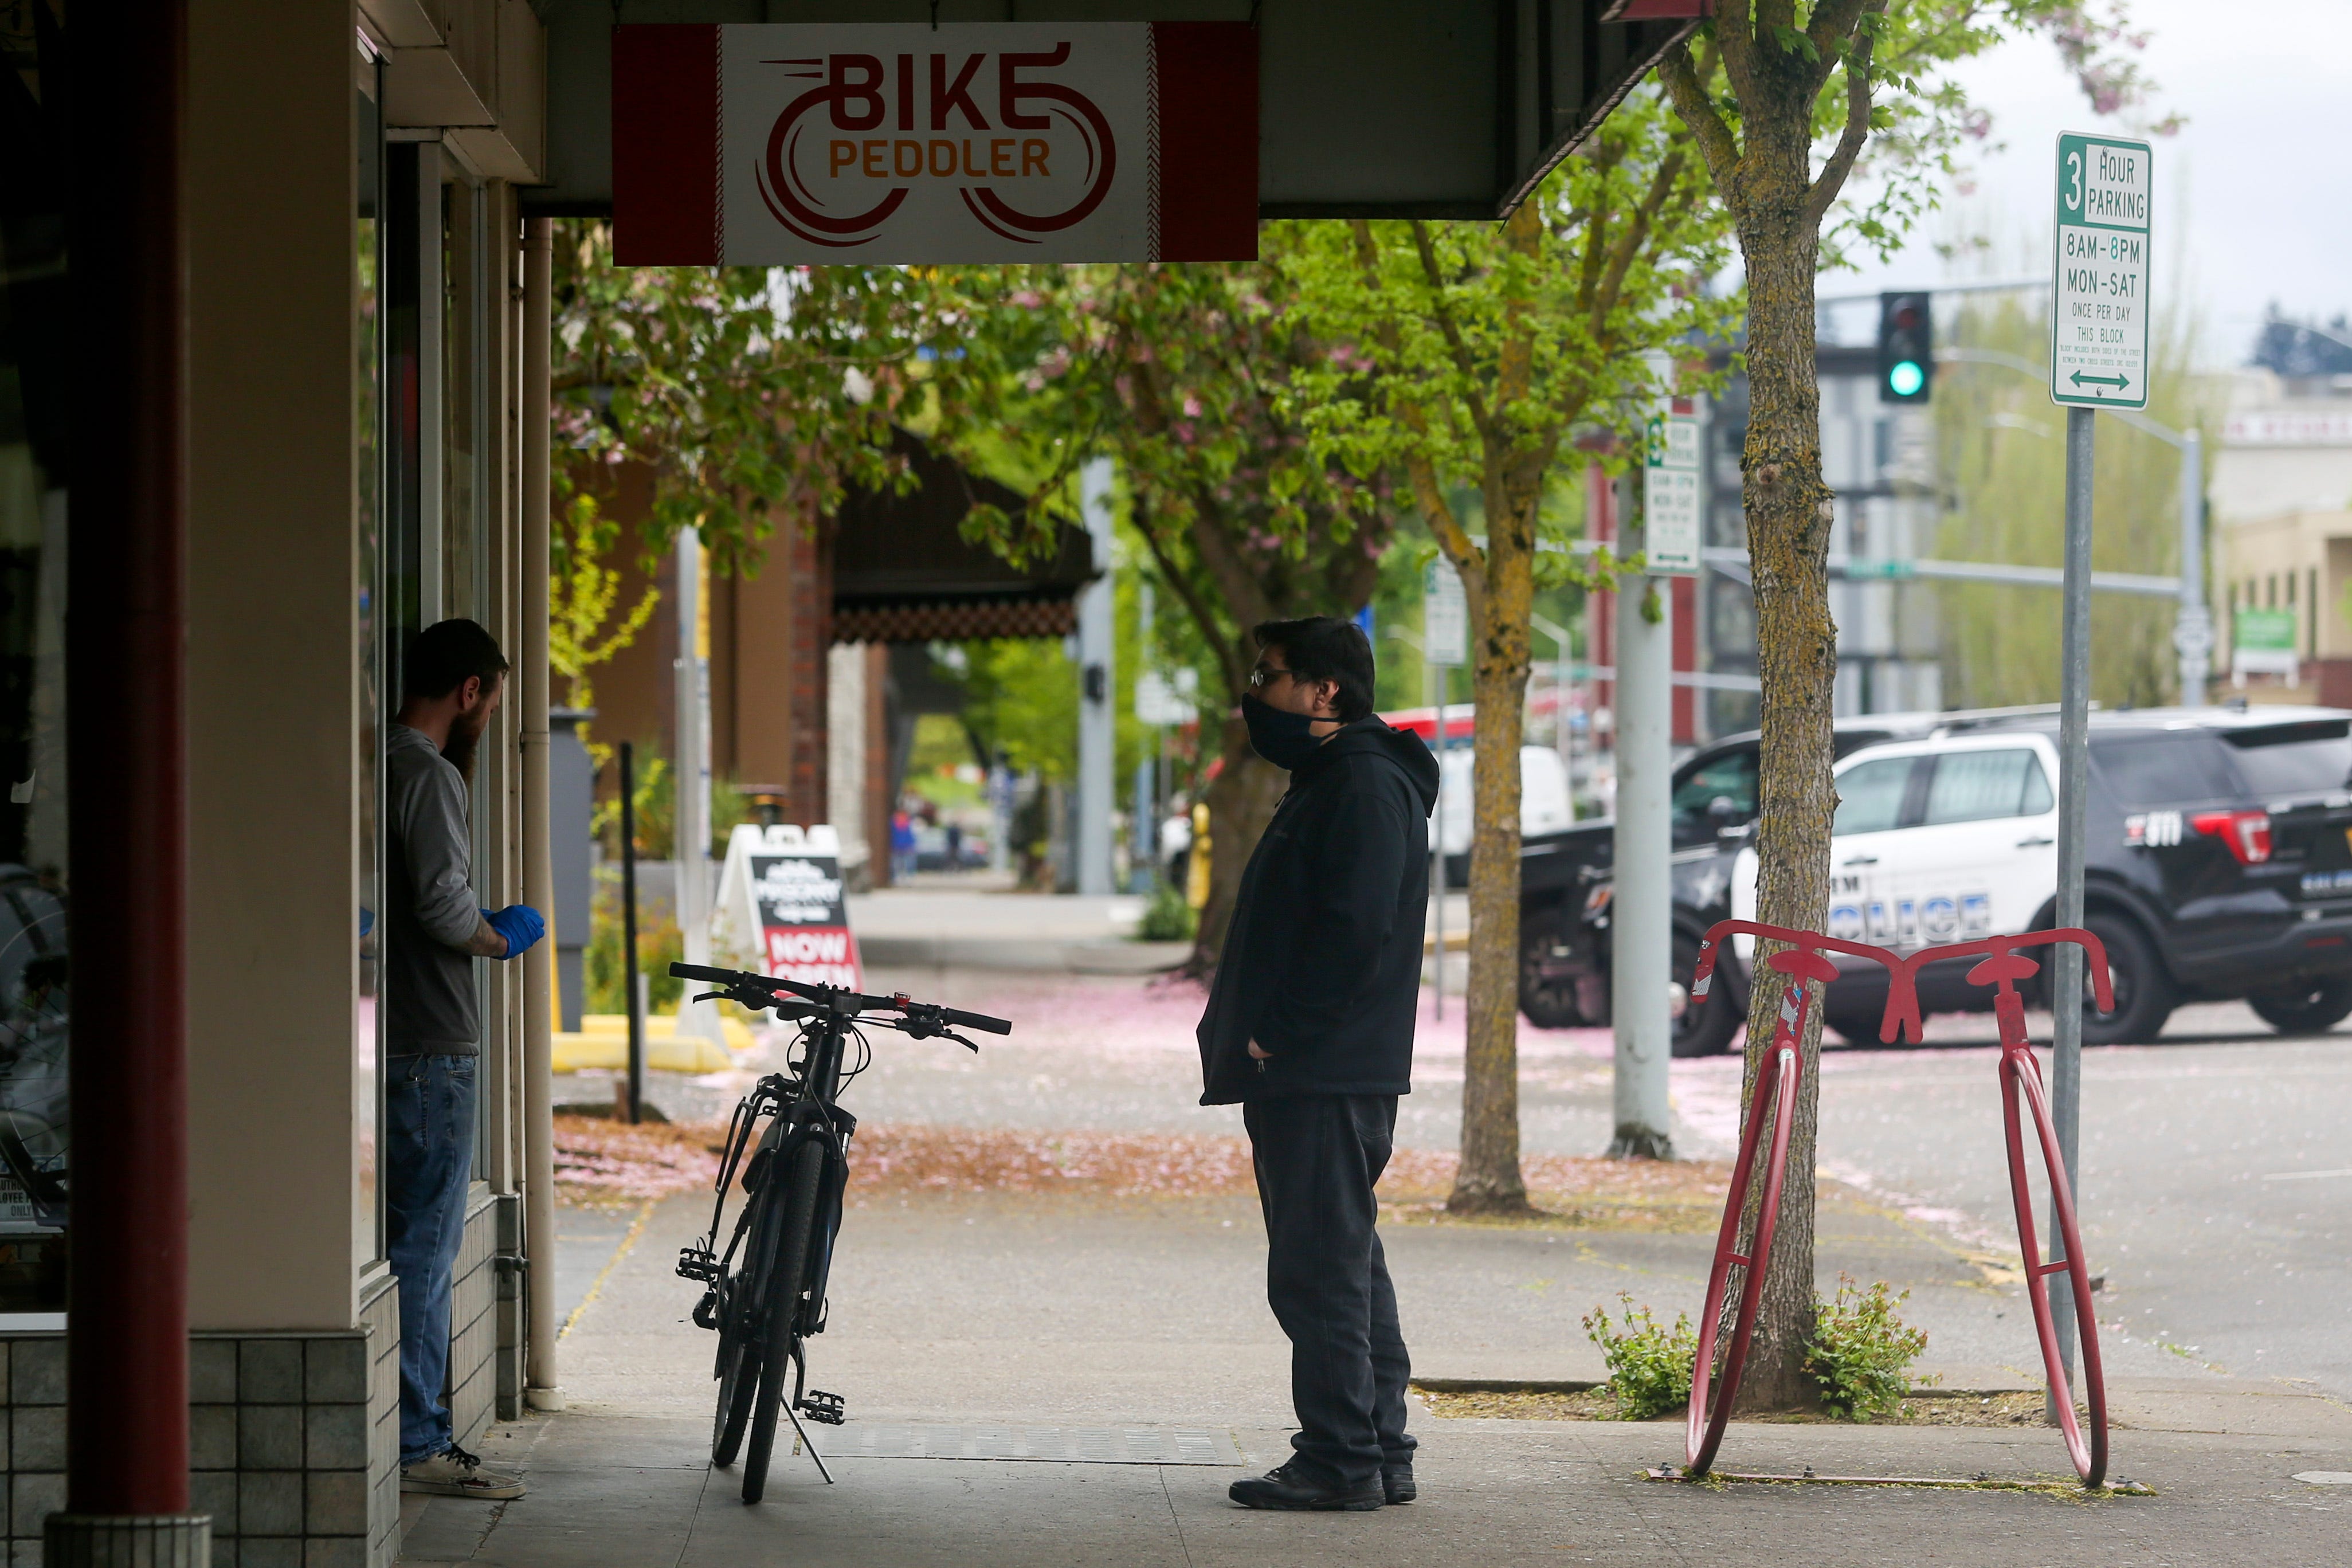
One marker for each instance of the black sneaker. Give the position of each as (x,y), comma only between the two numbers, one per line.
(1396,1484)
(1286,1488)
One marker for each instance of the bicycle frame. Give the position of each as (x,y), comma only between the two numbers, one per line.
(2020,1079)
(1778,1079)
(2020,1076)
(761,1331)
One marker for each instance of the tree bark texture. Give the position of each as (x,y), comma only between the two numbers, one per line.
(1789,512)
(1489,1179)
(1765,175)
(1240,800)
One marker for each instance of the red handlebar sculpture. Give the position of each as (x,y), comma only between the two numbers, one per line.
(1776,1083)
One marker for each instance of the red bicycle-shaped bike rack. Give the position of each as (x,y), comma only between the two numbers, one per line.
(1713,1388)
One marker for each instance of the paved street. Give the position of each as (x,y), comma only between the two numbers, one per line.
(2206,1193)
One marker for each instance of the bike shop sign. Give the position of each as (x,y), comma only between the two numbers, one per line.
(779,145)
(2099,265)
(785,883)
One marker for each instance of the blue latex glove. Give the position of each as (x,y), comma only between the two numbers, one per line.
(519,924)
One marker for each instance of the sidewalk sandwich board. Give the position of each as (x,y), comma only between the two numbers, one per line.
(781,890)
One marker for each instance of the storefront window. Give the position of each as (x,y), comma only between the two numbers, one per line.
(367,446)
(33,1008)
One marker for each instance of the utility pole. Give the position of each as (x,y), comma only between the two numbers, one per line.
(2192,627)
(1444,643)
(690,779)
(1097,708)
(1143,827)
(1561,733)
(1641,919)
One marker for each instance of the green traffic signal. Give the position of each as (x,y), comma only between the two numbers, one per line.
(1906,378)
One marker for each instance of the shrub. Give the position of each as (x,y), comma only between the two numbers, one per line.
(1167,918)
(1860,1350)
(1649,1363)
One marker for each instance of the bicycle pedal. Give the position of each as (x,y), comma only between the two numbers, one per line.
(695,1263)
(825,1409)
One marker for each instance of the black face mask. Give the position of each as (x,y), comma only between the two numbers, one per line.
(1285,738)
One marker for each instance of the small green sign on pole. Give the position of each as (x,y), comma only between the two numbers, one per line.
(2099,269)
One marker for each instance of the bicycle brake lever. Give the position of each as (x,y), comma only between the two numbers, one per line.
(959,1039)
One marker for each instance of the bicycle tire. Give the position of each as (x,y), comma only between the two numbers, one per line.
(2022,1076)
(1705,1421)
(737,1364)
(738,1381)
(804,1180)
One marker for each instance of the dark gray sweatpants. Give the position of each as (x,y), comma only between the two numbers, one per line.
(1318,1157)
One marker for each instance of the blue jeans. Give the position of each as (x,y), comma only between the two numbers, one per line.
(428,1158)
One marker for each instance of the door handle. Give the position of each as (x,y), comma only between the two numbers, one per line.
(2036,842)
(1861,860)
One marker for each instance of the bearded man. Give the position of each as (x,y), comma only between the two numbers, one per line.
(452,677)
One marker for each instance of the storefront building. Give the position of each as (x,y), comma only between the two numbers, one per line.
(353,297)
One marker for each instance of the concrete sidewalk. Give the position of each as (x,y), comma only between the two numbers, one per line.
(1144,1320)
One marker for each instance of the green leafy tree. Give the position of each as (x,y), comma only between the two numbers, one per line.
(583,594)
(2001,458)
(1185,376)
(1782,97)
(754,395)
(1472,356)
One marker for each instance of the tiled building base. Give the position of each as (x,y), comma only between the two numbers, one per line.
(294,1442)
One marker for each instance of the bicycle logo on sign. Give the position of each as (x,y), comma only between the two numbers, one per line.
(859,94)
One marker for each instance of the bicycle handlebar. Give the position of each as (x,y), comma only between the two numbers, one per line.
(827,996)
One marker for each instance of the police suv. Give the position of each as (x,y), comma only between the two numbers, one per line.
(2218,861)
(1567,883)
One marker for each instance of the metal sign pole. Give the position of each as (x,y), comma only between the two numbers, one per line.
(2073,769)
(2100,308)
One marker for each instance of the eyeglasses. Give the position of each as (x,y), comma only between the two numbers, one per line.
(1266,675)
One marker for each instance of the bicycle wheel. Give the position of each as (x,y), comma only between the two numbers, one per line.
(2022,1076)
(798,1192)
(738,1379)
(1704,1424)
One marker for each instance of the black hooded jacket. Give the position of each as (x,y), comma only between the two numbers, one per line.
(1322,962)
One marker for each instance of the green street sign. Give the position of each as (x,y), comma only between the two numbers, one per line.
(2262,631)
(2099,272)
(1861,570)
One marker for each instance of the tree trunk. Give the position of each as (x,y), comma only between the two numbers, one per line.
(1489,1181)
(1242,799)
(1788,515)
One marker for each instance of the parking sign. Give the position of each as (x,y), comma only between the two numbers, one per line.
(2099,267)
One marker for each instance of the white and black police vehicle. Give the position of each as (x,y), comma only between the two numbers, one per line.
(2218,861)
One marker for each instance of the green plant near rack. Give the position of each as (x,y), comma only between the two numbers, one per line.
(1861,1351)
(1649,1363)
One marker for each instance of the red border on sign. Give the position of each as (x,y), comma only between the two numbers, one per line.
(666,141)
(1206,76)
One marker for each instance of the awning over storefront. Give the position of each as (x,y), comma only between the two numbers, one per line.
(903,572)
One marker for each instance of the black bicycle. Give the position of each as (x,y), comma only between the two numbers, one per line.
(765,1293)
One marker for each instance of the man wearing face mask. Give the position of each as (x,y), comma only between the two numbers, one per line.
(1309,1026)
(452,677)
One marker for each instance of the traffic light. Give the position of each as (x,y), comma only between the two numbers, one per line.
(1906,348)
